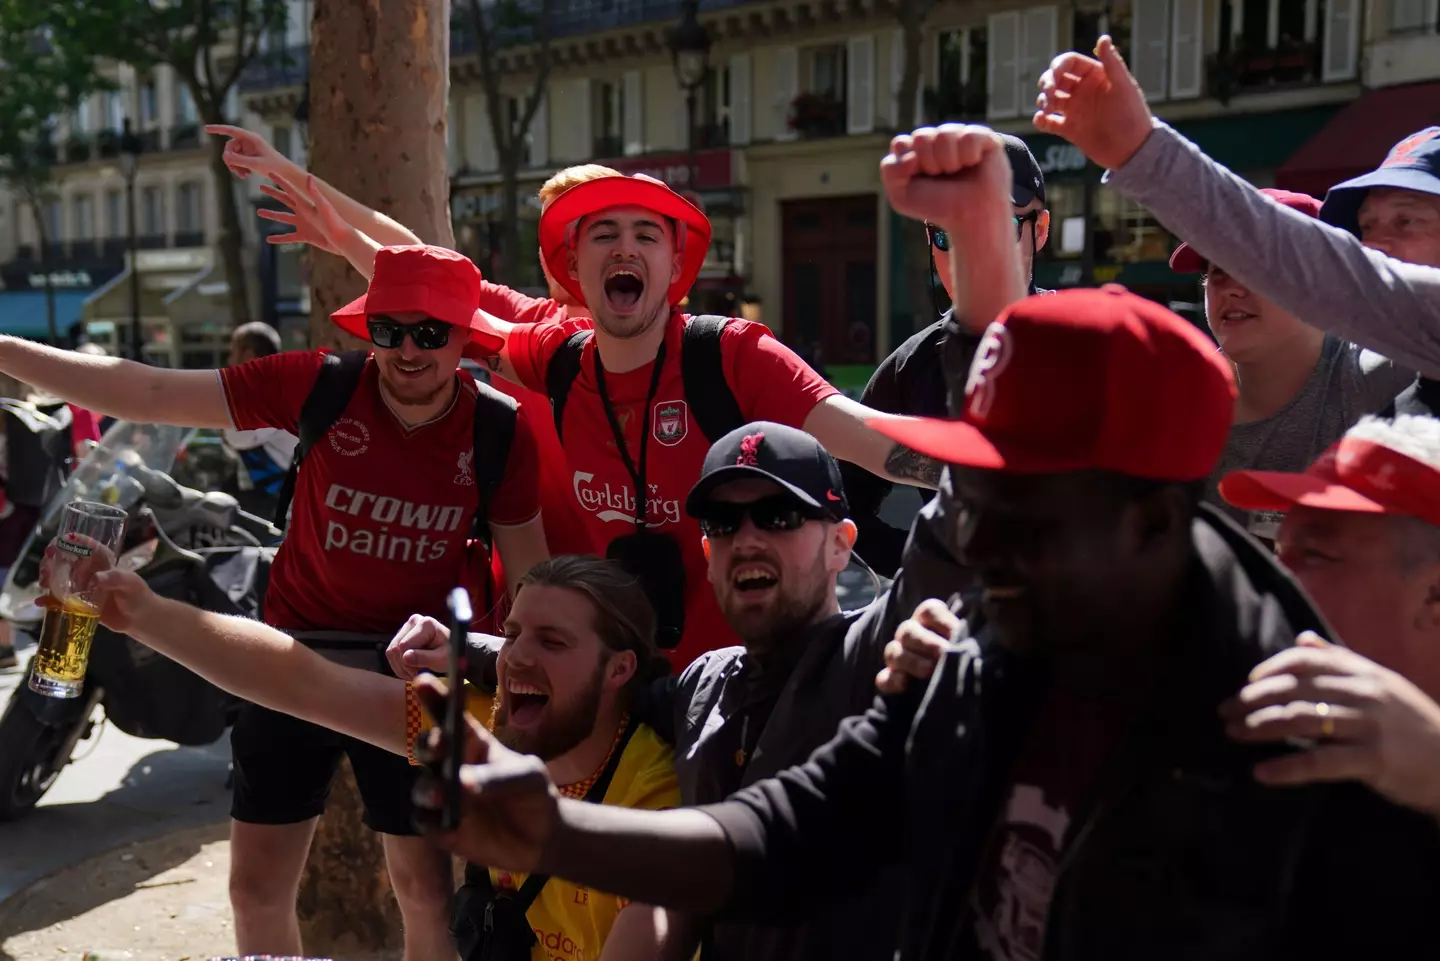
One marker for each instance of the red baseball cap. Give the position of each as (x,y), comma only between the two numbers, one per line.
(1355,474)
(434,281)
(1187,260)
(1086,379)
(560,221)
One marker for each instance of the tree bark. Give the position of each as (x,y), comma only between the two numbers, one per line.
(379,80)
(232,236)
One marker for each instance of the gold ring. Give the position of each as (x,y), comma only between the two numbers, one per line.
(1327,720)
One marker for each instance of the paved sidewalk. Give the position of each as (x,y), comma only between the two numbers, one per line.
(122,789)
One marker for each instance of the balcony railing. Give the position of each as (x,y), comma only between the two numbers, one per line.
(189,238)
(276,68)
(711,135)
(1240,71)
(114,246)
(606,147)
(152,241)
(185,136)
(815,115)
(25,253)
(150,140)
(78,150)
(107,143)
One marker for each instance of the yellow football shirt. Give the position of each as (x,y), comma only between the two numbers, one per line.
(571,922)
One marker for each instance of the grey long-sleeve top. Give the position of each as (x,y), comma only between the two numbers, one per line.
(1317,272)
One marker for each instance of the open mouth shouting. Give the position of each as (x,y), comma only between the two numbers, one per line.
(525,703)
(753,578)
(623,288)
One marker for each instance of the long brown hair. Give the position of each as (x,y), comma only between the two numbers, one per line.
(624,618)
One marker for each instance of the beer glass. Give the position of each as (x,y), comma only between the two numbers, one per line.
(87,529)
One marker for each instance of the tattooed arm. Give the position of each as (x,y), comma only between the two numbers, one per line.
(843,427)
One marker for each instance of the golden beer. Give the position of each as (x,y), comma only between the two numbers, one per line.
(64,650)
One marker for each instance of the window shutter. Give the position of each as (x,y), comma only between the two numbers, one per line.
(540,134)
(1342,33)
(1037,49)
(787,80)
(633,113)
(740,98)
(297,27)
(1150,43)
(1407,15)
(1003,65)
(1186,76)
(860,85)
(478,152)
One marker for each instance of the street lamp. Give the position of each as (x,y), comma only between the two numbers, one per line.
(130,148)
(690,49)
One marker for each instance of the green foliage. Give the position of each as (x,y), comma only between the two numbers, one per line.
(44,72)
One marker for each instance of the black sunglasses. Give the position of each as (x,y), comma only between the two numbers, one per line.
(428,334)
(940,240)
(774,514)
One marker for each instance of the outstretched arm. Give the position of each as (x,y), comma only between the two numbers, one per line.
(119,388)
(258,663)
(248,152)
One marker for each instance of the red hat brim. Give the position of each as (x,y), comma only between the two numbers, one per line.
(1259,490)
(1187,260)
(959,442)
(604,193)
(416,297)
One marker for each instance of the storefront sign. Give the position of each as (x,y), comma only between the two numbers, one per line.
(483,203)
(712,168)
(158,260)
(62,280)
(1061,158)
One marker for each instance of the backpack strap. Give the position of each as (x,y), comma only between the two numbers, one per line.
(494,426)
(530,890)
(560,374)
(334,386)
(702,369)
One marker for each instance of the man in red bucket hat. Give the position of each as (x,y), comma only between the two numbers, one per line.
(383,514)
(640,392)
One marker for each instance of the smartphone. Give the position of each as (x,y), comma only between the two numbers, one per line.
(454,722)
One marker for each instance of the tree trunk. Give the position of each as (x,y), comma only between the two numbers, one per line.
(45,271)
(509,217)
(379,79)
(232,236)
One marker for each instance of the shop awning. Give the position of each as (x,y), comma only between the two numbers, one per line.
(23,312)
(1359,137)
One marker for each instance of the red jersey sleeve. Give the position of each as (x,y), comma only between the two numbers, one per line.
(269,391)
(531,348)
(517,499)
(515,307)
(769,380)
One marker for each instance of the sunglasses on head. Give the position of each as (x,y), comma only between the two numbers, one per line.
(777,514)
(940,240)
(428,334)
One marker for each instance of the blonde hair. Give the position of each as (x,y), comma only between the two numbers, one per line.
(563,180)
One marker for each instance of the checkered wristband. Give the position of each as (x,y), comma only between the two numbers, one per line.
(414,721)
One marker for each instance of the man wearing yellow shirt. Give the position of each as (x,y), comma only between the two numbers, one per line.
(579,640)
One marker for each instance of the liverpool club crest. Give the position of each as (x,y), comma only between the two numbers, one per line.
(672,422)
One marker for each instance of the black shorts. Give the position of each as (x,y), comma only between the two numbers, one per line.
(284,766)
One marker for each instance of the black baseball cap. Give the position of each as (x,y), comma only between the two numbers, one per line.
(789,457)
(1029,181)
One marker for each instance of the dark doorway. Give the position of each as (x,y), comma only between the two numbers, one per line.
(828,256)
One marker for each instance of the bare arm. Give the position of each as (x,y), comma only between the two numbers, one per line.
(386,231)
(262,665)
(522,546)
(838,423)
(645,933)
(119,388)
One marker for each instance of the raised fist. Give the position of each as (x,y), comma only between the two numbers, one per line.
(947,174)
(1094,104)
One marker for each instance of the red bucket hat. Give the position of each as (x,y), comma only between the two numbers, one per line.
(431,280)
(1187,260)
(1086,379)
(1355,474)
(558,223)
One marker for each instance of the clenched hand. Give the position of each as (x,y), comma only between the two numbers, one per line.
(1094,104)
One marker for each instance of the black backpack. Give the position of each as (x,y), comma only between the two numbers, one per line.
(707,393)
(495,416)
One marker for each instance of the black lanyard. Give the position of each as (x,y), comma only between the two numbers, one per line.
(636,475)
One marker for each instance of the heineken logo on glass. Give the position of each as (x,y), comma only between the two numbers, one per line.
(672,422)
(73,547)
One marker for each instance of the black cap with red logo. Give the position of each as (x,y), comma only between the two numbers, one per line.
(769,451)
